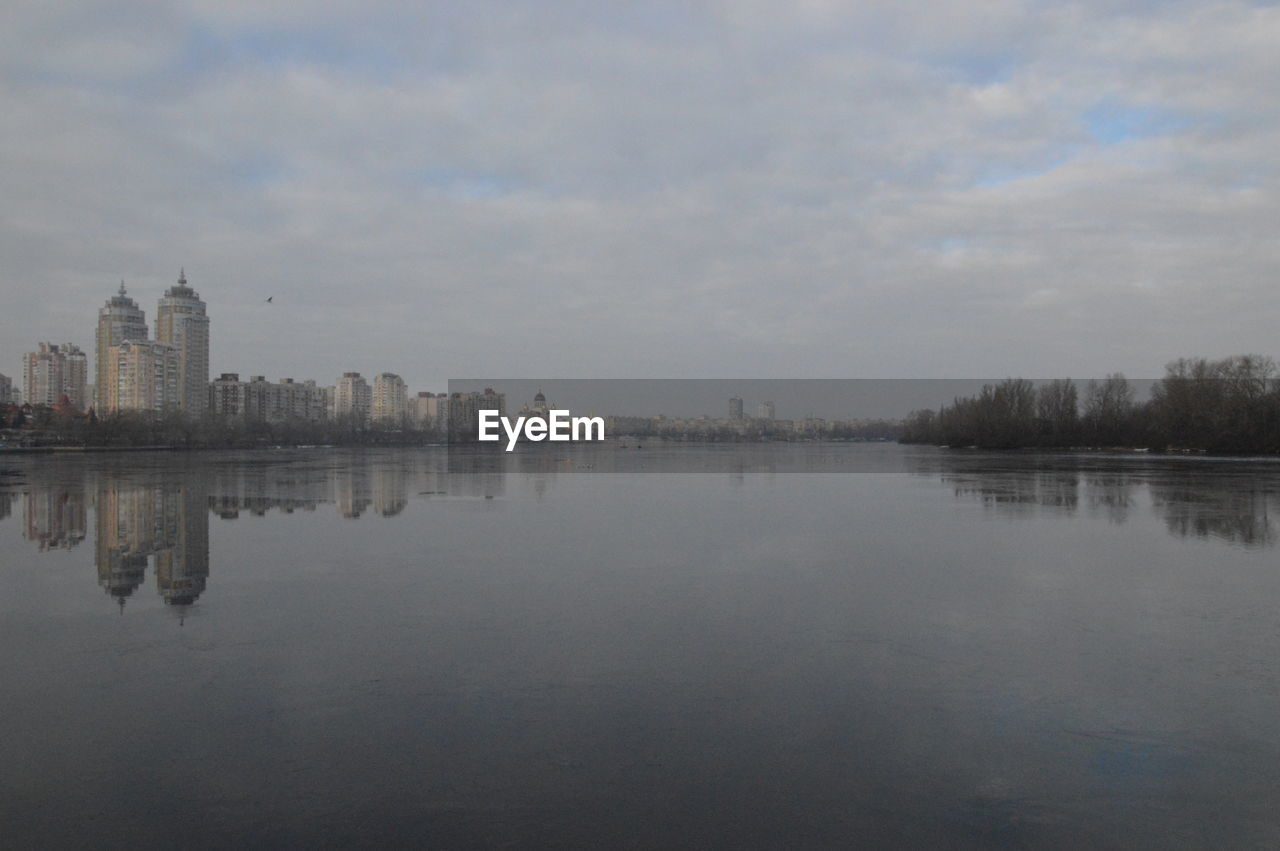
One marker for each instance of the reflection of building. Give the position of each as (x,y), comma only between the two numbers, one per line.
(390,490)
(118,320)
(54,371)
(54,517)
(167,523)
(182,323)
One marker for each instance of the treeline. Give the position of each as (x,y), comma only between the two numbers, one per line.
(136,429)
(1229,406)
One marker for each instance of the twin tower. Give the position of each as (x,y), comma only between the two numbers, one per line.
(135,373)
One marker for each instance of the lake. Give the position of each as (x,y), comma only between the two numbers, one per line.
(679,646)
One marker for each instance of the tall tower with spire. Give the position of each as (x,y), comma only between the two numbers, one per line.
(119,319)
(181,322)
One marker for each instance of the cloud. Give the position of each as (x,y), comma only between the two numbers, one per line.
(678,190)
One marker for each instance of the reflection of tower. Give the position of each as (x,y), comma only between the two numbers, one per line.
(389,490)
(55,517)
(182,570)
(138,521)
(352,487)
(6,504)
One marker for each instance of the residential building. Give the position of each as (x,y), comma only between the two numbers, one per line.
(390,399)
(735,408)
(766,411)
(464,412)
(143,376)
(181,322)
(54,371)
(6,390)
(429,410)
(119,319)
(353,398)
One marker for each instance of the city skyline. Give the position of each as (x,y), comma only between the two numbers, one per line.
(809,190)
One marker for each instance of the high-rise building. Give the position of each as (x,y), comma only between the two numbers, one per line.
(463,417)
(390,399)
(353,398)
(54,371)
(735,408)
(262,400)
(429,409)
(119,319)
(766,411)
(181,322)
(6,389)
(142,376)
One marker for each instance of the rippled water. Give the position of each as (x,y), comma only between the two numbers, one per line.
(326,647)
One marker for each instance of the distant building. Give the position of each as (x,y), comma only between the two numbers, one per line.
(182,323)
(54,371)
(429,410)
(118,320)
(464,412)
(264,401)
(735,408)
(765,411)
(353,397)
(142,376)
(6,390)
(390,399)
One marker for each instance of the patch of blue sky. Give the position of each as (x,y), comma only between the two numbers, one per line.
(209,50)
(1113,122)
(259,169)
(1000,174)
(984,68)
(469,185)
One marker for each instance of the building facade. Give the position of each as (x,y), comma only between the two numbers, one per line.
(352,397)
(182,323)
(54,371)
(6,390)
(119,319)
(141,376)
(266,401)
(390,399)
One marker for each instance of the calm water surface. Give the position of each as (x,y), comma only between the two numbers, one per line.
(317,647)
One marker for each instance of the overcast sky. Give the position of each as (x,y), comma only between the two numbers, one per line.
(587,189)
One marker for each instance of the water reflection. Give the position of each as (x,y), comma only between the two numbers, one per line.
(156,516)
(1229,501)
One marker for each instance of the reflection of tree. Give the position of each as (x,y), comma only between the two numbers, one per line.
(1013,492)
(1229,509)
(1110,492)
(1208,500)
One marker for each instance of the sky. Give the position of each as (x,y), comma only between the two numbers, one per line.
(649,190)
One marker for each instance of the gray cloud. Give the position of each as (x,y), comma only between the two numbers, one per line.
(682,190)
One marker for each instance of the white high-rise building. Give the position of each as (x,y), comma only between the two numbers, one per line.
(119,319)
(143,376)
(54,371)
(181,322)
(353,398)
(390,399)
